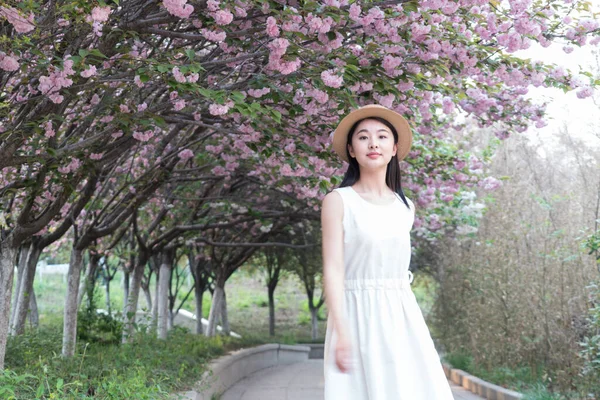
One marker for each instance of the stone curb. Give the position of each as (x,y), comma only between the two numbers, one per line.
(227,370)
(479,386)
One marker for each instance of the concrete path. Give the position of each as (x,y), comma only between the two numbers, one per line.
(301,381)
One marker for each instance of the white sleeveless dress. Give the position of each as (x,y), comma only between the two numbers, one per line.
(394,357)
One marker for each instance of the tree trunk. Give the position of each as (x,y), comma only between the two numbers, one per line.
(107,301)
(125,284)
(224,317)
(89,280)
(34,316)
(215,308)
(155,304)
(163,295)
(25,290)
(171,320)
(22,256)
(271,311)
(315,322)
(7,269)
(148,296)
(132,300)
(199,294)
(145,284)
(70,314)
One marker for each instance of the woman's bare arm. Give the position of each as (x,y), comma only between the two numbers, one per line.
(332,213)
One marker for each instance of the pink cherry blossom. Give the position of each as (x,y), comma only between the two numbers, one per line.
(220,109)
(331,79)
(179,77)
(272,28)
(355,11)
(8,63)
(386,101)
(143,136)
(213,5)
(19,22)
(223,17)
(584,92)
(259,92)
(71,167)
(213,36)
(568,49)
(138,82)
(178,8)
(90,71)
(49,130)
(390,63)
(179,105)
(490,183)
(185,154)
(100,14)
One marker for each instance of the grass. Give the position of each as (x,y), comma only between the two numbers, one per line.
(146,369)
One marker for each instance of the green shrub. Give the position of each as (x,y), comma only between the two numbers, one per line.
(459,360)
(148,368)
(540,392)
(95,327)
(304,317)
(590,346)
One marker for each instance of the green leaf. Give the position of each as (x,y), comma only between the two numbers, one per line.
(76,59)
(83,53)
(276,116)
(40,390)
(195,68)
(238,97)
(190,54)
(323,186)
(159,120)
(206,93)
(97,53)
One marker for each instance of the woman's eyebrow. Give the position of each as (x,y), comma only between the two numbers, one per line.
(379,130)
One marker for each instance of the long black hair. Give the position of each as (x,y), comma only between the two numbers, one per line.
(392,173)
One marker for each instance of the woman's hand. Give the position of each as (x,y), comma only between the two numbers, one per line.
(343,353)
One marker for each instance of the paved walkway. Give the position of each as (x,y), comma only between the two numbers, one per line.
(301,381)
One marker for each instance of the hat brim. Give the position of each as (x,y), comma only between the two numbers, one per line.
(340,135)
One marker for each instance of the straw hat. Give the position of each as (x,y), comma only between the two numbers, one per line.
(340,135)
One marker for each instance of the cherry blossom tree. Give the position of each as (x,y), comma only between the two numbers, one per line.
(260,85)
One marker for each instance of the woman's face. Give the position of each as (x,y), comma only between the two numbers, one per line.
(372,144)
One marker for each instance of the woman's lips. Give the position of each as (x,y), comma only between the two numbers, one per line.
(373,155)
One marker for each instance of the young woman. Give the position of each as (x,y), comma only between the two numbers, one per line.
(377,345)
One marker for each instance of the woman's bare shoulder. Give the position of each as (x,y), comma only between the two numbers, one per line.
(332,203)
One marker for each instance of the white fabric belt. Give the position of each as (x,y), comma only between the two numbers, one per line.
(366,284)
